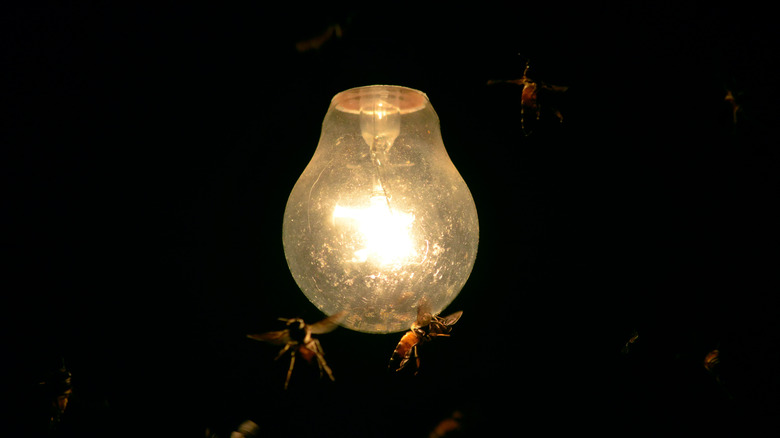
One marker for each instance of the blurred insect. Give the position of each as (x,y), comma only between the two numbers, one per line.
(314,43)
(529,97)
(711,361)
(631,341)
(297,339)
(449,426)
(733,100)
(427,327)
(56,390)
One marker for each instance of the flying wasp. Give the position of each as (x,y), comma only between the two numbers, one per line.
(530,97)
(297,339)
(711,362)
(631,342)
(427,327)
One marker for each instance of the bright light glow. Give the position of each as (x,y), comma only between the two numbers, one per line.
(380,123)
(385,234)
(380,219)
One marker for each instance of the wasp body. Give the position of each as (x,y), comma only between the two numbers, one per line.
(631,342)
(529,97)
(711,362)
(298,340)
(426,328)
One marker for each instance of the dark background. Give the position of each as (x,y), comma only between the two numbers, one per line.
(148,152)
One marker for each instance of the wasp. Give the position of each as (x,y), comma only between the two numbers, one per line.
(424,329)
(297,339)
(732,99)
(529,97)
(711,362)
(631,341)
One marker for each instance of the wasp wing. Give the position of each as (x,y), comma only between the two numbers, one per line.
(279,337)
(424,314)
(327,325)
(521,81)
(452,318)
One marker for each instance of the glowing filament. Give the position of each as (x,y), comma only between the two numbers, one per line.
(384,234)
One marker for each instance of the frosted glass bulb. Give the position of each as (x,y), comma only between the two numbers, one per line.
(380,220)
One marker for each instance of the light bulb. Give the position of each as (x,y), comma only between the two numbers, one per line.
(380,220)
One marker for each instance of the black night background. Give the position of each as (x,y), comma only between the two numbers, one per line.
(148,150)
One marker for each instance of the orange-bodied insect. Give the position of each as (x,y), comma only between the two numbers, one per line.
(711,361)
(450,426)
(297,339)
(631,341)
(529,97)
(427,327)
(733,101)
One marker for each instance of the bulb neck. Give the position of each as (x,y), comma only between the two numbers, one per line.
(380,122)
(354,100)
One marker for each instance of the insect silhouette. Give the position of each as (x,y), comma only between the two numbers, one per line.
(427,327)
(297,339)
(530,97)
(711,362)
(631,342)
(733,101)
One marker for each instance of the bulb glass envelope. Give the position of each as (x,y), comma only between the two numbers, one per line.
(380,220)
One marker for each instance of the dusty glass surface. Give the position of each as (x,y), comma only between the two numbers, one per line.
(380,217)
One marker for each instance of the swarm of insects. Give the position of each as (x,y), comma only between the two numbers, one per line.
(297,339)
(530,102)
(427,327)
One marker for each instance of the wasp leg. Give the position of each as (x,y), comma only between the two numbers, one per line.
(416,360)
(284,350)
(289,370)
(323,365)
(403,363)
